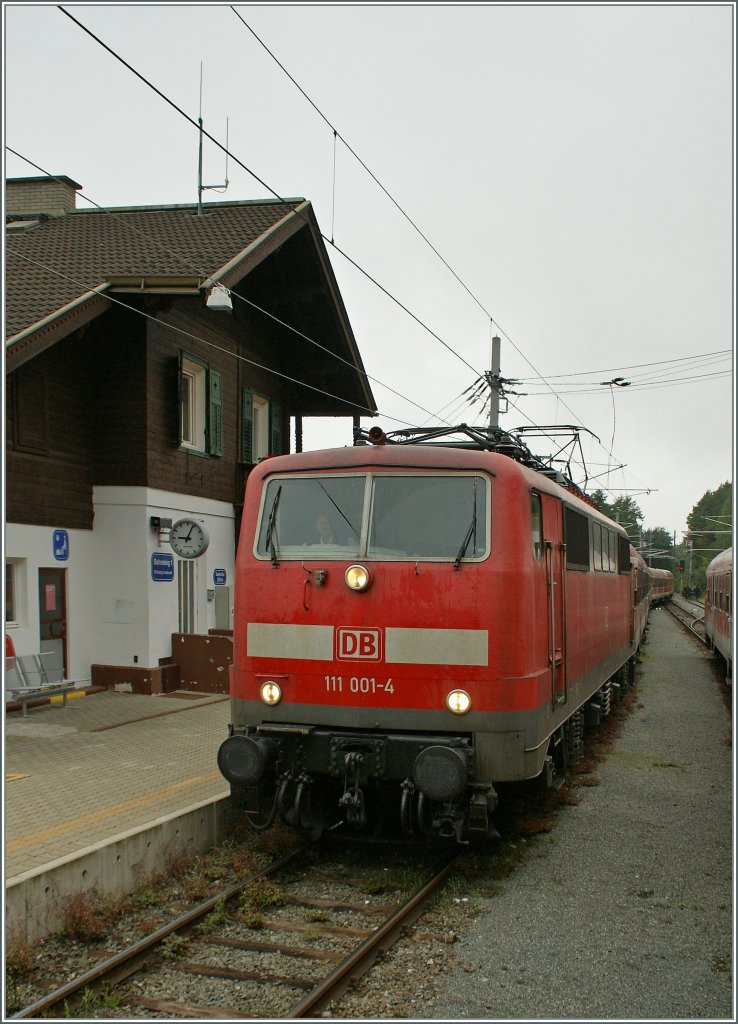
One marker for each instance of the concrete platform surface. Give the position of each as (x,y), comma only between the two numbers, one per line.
(103,769)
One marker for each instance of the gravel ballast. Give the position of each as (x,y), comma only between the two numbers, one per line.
(625,908)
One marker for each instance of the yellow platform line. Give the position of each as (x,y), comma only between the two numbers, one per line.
(14,776)
(77,824)
(74,695)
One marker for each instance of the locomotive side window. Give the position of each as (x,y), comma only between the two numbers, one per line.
(536,525)
(605,558)
(623,554)
(597,546)
(576,533)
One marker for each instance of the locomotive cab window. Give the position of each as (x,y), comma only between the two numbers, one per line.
(440,516)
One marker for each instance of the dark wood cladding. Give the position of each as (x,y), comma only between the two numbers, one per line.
(117,397)
(49,453)
(102,407)
(188,327)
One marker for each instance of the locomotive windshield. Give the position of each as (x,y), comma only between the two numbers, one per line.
(440,516)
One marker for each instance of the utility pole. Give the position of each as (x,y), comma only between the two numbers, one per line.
(493,379)
(689,573)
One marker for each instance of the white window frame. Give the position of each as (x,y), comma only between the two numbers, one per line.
(194,402)
(15,578)
(260,436)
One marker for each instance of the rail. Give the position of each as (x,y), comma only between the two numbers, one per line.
(319,992)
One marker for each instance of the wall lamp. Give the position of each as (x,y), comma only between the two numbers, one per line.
(219,299)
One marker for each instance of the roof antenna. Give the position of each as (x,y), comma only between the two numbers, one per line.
(200,187)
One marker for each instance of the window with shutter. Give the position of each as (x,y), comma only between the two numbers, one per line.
(260,448)
(215,414)
(192,403)
(200,406)
(276,430)
(247,426)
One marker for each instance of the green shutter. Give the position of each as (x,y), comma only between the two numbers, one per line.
(275,413)
(180,398)
(247,426)
(215,413)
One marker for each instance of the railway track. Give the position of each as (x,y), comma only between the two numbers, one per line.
(262,947)
(691,616)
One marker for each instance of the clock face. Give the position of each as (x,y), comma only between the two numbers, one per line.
(188,538)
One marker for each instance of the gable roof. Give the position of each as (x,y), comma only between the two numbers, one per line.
(60,271)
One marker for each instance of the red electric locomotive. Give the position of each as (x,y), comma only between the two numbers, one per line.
(718,606)
(415,623)
(662,585)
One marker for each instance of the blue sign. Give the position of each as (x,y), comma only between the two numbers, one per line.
(61,545)
(162,567)
(219,577)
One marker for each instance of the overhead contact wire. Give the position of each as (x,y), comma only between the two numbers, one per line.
(241,298)
(256,177)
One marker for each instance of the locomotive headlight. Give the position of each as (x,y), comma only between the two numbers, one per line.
(458,701)
(357,577)
(271,692)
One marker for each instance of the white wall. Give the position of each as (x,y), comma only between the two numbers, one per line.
(116,613)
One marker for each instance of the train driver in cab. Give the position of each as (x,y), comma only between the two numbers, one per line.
(324,530)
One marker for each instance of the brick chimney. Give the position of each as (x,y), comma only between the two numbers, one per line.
(53,196)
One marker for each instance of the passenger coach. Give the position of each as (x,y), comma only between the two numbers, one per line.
(414,624)
(718,606)
(662,585)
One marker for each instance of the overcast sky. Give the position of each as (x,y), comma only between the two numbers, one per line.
(572,165)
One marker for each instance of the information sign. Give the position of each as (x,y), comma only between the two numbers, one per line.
(162,567)
(61,545)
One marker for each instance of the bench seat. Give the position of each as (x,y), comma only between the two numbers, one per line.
(28,676)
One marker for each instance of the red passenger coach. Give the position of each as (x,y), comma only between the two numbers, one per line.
(641,594)
(662,585)
(718,606)
(414,623)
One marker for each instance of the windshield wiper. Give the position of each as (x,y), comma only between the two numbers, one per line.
(338,509)
(471,531)
(270,527)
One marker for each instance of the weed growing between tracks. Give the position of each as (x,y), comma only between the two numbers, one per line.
(94,926)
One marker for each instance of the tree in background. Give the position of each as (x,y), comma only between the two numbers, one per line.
(623,510)
(709,532)
(709,527)
(658,548)
(655,544)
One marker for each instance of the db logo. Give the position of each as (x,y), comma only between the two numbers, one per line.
(358,644)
